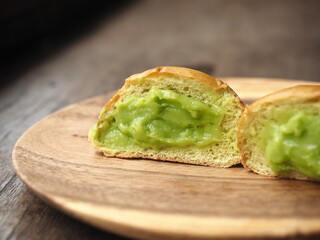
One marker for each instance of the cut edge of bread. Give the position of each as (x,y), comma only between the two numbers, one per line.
(184,75)
(252,157)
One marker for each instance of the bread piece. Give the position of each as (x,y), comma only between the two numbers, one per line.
(281,117)
(161,85)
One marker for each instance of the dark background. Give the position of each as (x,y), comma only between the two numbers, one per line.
(53,53)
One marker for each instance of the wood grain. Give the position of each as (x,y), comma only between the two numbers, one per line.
(275,38)
(149,199)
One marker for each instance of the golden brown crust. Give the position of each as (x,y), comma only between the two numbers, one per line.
(182,72)
(307,93)
(300,93)
(204,78)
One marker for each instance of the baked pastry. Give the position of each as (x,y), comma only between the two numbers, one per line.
(171,114)
(279,134)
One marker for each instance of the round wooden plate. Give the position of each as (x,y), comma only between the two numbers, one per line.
(148,199)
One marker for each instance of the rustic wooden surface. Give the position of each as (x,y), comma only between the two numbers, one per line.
(159,200)
(227,38)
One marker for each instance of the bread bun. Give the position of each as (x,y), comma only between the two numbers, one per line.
(276,130)
(190,107)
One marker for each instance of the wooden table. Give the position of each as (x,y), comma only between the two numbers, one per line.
(225,38)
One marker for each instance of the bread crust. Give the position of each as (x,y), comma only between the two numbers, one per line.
(300,93)
(182,72)
(167,71)
(306,93)
(201,77)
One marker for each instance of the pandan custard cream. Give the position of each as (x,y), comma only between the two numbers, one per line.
(158,119)
(292,142)
(171,114)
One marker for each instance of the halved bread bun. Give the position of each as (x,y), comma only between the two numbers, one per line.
(189,106)
(278,132)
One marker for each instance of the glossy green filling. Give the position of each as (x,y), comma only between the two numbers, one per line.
(292,143)
(161,118)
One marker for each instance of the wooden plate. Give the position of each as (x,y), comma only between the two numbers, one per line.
(148,199)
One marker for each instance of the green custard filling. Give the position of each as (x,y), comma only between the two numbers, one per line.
(158,119)
(293,143)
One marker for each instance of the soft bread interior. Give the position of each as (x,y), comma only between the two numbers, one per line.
(222,153)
